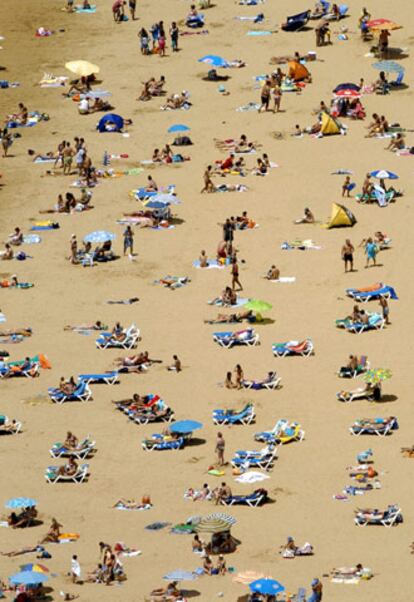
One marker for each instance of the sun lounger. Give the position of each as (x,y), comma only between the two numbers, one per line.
(257,498)
(52,475)
(167,415)
(161,444)
(375,322)
(107,340)
(304,348)
(296,22)
(378,195)
(388,518)
(84,449)
(108,378)
(283,432)
(15,371)
(81,393)
(383,291)
(268,383)
(375,426)
(245,416)
(267,451)
(9,427)
(360,393)
(363,366)
(243,337)
(265,463)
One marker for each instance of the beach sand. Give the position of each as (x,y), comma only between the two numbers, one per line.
(307,474)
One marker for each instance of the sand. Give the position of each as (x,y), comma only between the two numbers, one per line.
(307,474)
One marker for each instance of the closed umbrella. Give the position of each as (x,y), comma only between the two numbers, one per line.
(178,127)
(21,502)
(28,578)
(377,375)
(99,236)
(384,174)
(257,305)
(382,24)
(185,427)
(82,68)
(213,60)
(267,586)
(180,575)
(388,66)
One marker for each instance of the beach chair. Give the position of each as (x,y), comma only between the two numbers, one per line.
(81,393)
(83,450)
(375,322)
(360,393)
(195,21)
(9,427)
(376,426)
(296,22)
(107,378)
(256,453)
(257,498)
(52,475)
(283,432)
(399,80)
(14,372)
(160,443)
(245,416)
(363,366)
(304,348)
(147,417)
(106,340)
(270,383)
(243,337)
(377,195)
(363,296)
(264,463)
(388,518)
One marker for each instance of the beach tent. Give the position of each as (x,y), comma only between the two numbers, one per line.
(110,123)
(297,71)
(329,125)
(341,217)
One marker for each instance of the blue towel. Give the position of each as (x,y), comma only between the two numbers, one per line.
(259,33)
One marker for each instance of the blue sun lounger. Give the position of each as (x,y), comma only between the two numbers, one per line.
(160,445)
(246,416)
(390,517)
(385,292)
(252,500)
(81,393)
(296,22)
(107,378)
(245,337)
(375,322)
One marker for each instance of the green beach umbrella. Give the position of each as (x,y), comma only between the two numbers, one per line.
(377,375)
(258,306)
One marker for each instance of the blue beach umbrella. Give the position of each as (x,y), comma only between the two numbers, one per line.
(388,66)
(171,199)
(185,426)
(99,236)
(180,575)
(28,578)
(21,502)
(383,174)
(213,60)
(151,204)
(267,586)
(178,127)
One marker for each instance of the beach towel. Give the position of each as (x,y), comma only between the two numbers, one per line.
(285,279)
(212,264)
(2,317)
(31,239)
(89,11)
(251,477)
(44,160)
(121,506)
(157,526)
(241,301)
(259,32)
(250,106)
(68,537)
(6,84)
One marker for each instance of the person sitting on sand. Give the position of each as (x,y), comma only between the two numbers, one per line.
(397,142)
(176,365)
(54,532)
(16,238)
(308,217)
(80,86)
(273,273)
(197,545)
(228,382)
(8,252)
(208,565)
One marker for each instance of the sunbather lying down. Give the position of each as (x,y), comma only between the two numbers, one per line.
(98,325)
(173,282)
(347,572)
(23,332)
(124,504)
(408,452)
(247,314)
(135,363)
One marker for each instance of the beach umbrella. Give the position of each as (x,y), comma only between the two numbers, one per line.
(213,60)
(82,68)
(346,86)
(99,236)
(377,375)
(21,502)
(185,427)
(180,575)
(151,204)
(381,24)
(257,305)
(247,577)
(28,578)
(230,520)
(178,127)
(169,199)
(36,568)
(267,586)
(388,66)
(348,94)
(212,525)
(383,174)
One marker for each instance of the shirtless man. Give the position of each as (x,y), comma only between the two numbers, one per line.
(208,182)
(273,273)
(67,154)
(221,493)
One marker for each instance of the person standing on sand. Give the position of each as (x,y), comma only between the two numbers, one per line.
(75,569)
(347,254)
(6,141)
(220,447)
(371,251)
(265,96)
(73,249)
(174,33)
(235,275)
(128,240)
(67,153)
(385,310)
(132,7)
(208,182)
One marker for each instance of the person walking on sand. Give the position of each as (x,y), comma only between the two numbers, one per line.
(174,33)
(277,98)
(265,96)
(6,141)
(73,249)
(385,310)
(346,187)
(220,447)
(371,251)
(235,275)
(347,254)
(75,569)
(128,241)
(132,7)
(208,182)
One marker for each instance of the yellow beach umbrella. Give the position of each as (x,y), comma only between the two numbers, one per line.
(82,68)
